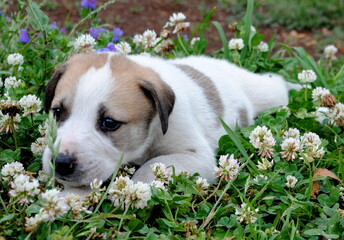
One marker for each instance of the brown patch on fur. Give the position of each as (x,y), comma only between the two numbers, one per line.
(208,87)
(244,120)
(62,86)
(140,92)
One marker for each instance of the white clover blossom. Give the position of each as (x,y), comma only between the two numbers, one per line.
(176,20)
(313,152)
(262,139)
(8,124)
(24,188)
(260,179)
(84,41)
(165,46)
(149,39)
(11,170)
(265,164)
(138,40)
(292,133)
(53,204)
(202,183)
(310,139)
(124,192)
(341,189)
(307,76)
(123,47)
(76,205)
(161,172)
(39,146)
(33,222)
(228,167)
(158,184)
(245,214)
(262,47)
(291,147)
(15,59)
(330,52)
(319,93)
(31,104)
(236,44)
(137,195)
(12,82)
(337,113)
(291,181)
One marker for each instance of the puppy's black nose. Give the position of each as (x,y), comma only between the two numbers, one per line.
(65,164)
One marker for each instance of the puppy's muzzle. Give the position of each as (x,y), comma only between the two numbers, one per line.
(65,164)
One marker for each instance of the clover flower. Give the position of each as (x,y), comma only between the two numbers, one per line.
(33,222)
(310,139)
(228,167)
(313,152)
(31,104)
(123,48)
(324,97)
(245,214)
(8,124)
(164,47)
(260,179)
(10,170)
(137,195)
(161,172)
(117,33)
(91,4)
(307,76)
(24,36)
(337,114)
(96,194)
(262,47)
(176,20)
(158,184)
(149,38)
(292,133)
(24,188)
(38,147)
(202,183)
(124,192)
(290,147)
(236,44)
(53,204)
(291,181)
(341,189)
(12,82)
(117,190)
(84,42)
(138,40)
(15,59)
(265,164)
(330,52)
(76,205)
(262,139)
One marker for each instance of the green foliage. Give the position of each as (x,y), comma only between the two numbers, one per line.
(255,204)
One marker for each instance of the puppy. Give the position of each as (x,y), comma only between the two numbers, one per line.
(151,110)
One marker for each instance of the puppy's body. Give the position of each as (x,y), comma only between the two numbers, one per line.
(168,112)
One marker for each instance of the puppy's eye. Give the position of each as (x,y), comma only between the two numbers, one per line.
(109,124)
(57,113)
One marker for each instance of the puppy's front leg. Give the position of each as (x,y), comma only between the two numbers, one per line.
(190,163)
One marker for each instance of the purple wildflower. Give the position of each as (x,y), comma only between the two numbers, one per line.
(0,13)
(24,36)
(96,31)
(117,33)
(8,19)
(109,48)
(63,30)
(54,25)
(88,4)
(186,37)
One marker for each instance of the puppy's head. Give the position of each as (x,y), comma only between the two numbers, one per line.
(104,105)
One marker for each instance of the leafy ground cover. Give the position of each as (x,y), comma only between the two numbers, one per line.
(281,178)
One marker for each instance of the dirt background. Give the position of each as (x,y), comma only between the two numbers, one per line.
(136,16)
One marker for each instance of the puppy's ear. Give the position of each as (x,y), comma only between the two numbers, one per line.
(162,97)
(51,86)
